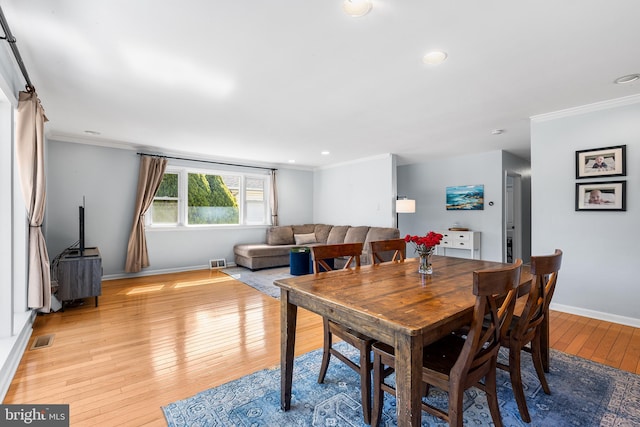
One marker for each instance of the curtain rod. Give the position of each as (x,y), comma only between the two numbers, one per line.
(14,48)
(206,161)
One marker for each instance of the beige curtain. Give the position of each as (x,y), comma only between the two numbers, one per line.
(149,179)
(274,199)
(30,156)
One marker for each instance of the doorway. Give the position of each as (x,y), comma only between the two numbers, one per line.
(512,222)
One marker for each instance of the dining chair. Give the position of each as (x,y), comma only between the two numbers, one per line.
(349,251)
(380,248)
(455,363)
(526,328)
(352,252)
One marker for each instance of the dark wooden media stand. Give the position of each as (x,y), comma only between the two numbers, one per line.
(79,275)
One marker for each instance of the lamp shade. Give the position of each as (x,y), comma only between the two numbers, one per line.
(405,206)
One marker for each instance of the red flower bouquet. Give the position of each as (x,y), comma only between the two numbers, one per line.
(424,244)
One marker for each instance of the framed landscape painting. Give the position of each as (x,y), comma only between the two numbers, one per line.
(607,161)
(465,197)
(601,196)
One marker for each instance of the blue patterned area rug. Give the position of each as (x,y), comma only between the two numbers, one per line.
(583,394)
(261,280)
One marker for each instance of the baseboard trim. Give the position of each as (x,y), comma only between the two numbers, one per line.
(16,345)
(608,317)
(156,272)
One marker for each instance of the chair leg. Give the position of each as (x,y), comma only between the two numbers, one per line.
(536,354)
(492,395)
(365,382)
(456,396)
(516,383)
(326,352)
(378,394)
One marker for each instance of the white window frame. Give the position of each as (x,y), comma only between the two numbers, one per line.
(183,182)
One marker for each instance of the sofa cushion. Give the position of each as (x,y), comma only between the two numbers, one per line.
(305,239)
(322,232)
(303,229)
(337,233)
(380,233)
(280,235)
(260,250)
(356,234)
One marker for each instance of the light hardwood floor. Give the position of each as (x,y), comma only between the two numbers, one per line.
(157,339)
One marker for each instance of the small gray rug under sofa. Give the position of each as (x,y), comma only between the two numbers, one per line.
(280,240)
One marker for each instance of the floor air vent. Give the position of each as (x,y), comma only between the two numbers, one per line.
(43,341)
(217,263)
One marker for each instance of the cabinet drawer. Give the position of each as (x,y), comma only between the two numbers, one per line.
(461,236)
(456,236)
(455,243)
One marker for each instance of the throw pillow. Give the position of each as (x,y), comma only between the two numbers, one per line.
(305,239)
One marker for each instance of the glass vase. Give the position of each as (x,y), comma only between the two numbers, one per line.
(425,262)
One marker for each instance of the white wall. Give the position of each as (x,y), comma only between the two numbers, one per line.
(108,177)
(598,276)
(356,193)
(295,196)
(427,182)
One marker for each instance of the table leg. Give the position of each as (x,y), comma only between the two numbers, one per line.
(408,350)
(288,318)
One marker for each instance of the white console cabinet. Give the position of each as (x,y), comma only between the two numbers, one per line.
(462,240)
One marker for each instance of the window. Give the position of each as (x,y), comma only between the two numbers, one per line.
(189,197)
(164,209)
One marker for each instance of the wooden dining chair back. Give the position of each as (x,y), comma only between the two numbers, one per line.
(455,363)
(381,249)
(352,252)
(321,253)
(526,328)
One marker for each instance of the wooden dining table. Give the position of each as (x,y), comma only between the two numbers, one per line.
(392,303)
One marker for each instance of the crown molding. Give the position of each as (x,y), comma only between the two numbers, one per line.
(130,146)
(360,160)
(588,108)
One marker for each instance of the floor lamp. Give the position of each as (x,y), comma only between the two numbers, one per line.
(404,205)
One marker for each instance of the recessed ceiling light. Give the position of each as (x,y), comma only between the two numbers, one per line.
(630,78)
(92,132)
(292,161)
(357,8)
(434,58)
(325,153)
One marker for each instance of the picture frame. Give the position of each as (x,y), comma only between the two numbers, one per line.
(601,196)
(601,162)
(465,197)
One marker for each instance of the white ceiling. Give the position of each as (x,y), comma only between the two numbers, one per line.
(269,81)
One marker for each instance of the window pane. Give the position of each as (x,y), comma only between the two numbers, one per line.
(255,201)
(164,209)
(210,200)
(164,212)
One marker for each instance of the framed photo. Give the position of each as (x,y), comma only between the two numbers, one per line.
(465,197)
(601,196)
(608,161)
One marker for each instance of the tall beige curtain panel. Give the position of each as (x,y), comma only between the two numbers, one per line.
(149,179)
(274,199)
(30,121)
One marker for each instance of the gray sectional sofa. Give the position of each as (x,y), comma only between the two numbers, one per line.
(280,240)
